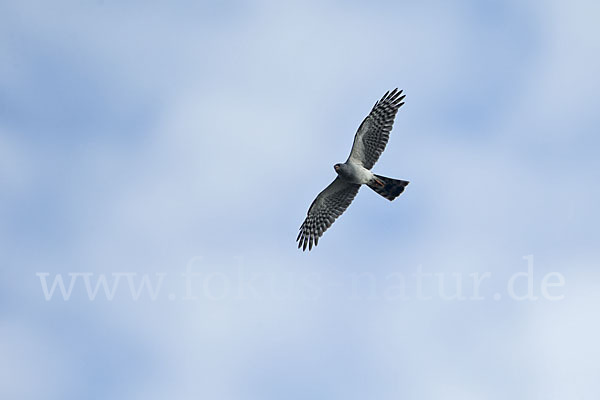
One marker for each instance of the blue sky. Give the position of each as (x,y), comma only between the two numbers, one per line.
(193,136)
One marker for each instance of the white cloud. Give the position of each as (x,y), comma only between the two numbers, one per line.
(32,365)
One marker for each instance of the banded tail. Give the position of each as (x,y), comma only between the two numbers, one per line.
(387,187)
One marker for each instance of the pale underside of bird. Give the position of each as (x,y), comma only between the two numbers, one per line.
(369,142)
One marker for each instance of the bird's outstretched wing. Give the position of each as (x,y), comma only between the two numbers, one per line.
(328,205)
(374,132)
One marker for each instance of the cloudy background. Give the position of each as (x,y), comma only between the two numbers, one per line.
(151,140)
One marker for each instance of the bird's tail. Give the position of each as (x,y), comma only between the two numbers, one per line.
(387,187)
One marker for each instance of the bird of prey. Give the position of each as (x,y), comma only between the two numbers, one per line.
(369,143)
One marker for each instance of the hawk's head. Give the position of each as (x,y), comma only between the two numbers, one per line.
(337,167)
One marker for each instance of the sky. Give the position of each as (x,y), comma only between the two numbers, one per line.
(157,160)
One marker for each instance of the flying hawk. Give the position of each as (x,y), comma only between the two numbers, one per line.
(369,143)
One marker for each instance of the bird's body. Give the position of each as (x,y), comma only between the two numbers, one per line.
(354,173)
(369,142)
